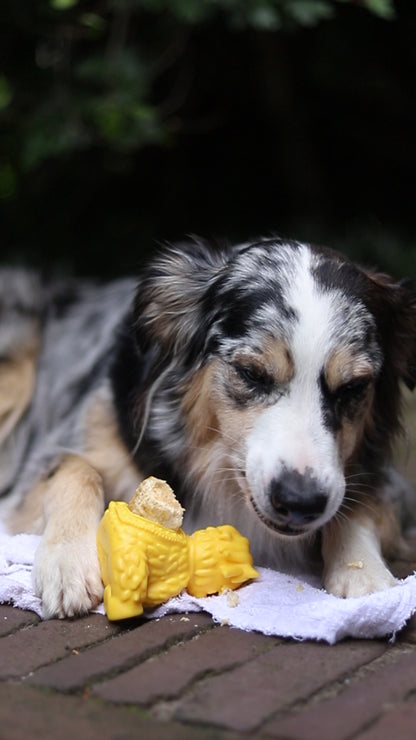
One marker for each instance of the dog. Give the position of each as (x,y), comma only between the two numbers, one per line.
(261,380)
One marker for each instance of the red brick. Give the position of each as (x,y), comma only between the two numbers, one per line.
(115,655)
(354,708)
(403,568)
(27,712)
(12,619)
(399,722)
(44,642)
(408,634)
(245,697)
(166,676)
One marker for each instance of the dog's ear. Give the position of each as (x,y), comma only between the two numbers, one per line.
(394,306)
(170,299)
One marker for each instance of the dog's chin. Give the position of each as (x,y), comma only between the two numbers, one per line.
(279,527)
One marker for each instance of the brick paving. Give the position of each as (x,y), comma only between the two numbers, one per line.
(186,677)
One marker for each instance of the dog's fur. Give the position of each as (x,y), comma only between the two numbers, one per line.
(261,380)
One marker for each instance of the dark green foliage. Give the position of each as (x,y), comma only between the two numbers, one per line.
(96,65)
(125,121)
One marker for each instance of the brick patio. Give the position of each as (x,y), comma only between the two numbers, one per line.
(185,677)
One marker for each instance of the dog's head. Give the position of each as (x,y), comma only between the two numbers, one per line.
(282,366)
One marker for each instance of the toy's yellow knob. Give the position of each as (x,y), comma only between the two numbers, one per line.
(220,559)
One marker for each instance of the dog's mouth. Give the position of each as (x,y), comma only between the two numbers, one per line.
(281,528)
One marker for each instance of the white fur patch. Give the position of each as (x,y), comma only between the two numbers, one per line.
(291,433)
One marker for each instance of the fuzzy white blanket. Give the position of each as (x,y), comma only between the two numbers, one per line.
(275,604)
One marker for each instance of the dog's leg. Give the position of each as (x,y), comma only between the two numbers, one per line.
(17,380)
(66,571)
(353,562)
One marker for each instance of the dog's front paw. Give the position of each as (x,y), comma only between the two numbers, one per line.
(358,578)
(67,577)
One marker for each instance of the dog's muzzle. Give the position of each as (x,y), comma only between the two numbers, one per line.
(297,501)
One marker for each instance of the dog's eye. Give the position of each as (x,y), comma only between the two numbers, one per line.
(354,388)
(349,395)
(255,377)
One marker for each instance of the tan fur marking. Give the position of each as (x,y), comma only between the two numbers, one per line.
(215,428)
(352,432)
(73,499)
(209,413)
(210,421)
(278,360)
(17,382)
(348,439)
(344,366)
(275,359)
(105,456)
(107,453)
(198,407)
(73,474)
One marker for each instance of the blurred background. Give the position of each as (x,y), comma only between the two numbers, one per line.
(126,123)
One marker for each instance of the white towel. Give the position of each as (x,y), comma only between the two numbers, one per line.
(16,561)
(275,604)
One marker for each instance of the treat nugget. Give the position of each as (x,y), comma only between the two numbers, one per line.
(144,563)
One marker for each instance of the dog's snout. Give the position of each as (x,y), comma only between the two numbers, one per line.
(297,499)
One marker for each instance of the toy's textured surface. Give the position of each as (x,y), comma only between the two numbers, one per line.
(220,558)
(144,563)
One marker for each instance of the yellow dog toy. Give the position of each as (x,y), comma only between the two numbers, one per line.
(145,562)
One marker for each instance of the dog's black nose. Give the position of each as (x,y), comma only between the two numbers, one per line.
(297,498)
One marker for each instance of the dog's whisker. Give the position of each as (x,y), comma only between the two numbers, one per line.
(352,503)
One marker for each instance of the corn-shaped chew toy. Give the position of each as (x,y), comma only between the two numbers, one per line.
(146,558)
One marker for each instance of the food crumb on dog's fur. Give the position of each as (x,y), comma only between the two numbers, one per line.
(300,587)
(356,564)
